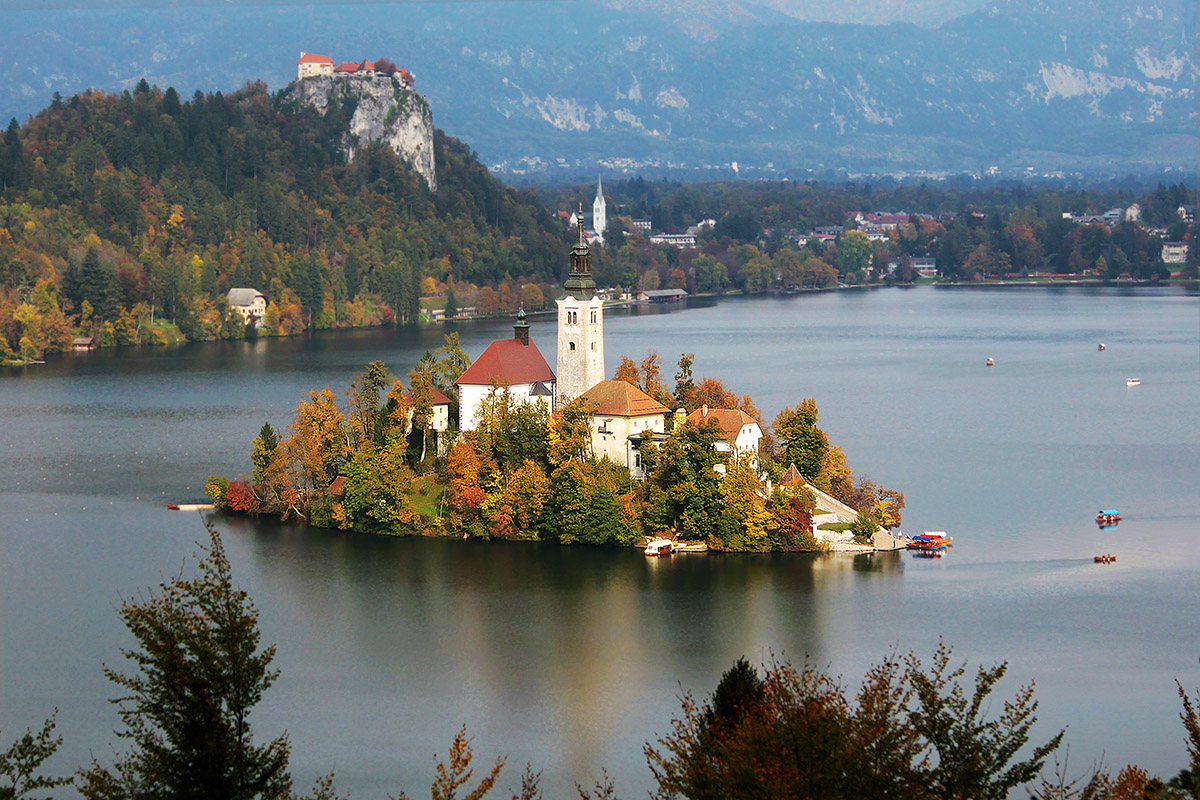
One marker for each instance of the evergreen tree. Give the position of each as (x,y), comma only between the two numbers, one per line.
(199,674)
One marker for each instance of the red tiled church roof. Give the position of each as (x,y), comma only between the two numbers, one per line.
(731,420)
(509,363)
(621,399)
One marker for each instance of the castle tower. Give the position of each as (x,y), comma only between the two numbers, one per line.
(580,327)
(599,214)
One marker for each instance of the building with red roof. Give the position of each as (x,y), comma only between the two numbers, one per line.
(619,411)
(313,64)
(740,432)
(441,410)
(514,364)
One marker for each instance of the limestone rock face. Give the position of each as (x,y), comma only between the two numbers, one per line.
(386,112)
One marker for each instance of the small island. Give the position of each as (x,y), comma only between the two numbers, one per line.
(505,447)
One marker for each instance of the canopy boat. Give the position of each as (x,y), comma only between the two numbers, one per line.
(660,547)
(1100,346)
(991,362)
(1133,381)
(1108,517)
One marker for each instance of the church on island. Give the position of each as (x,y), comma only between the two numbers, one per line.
(621,415)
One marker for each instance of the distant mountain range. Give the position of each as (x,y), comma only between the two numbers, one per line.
(1088,85)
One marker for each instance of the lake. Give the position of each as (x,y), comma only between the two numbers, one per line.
(571,658)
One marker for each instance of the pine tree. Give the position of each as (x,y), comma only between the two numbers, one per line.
(199,674)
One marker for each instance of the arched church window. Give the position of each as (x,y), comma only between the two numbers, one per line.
(572,345)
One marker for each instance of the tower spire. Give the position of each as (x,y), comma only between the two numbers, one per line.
(579,283)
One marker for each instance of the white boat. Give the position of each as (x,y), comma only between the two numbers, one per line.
(1133,381)
(660,547)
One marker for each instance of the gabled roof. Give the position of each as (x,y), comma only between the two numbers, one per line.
(243,296)
(437,398)
(621,399)
(792,475)
(507,362)
(347,66)
(314,58)
(731,420)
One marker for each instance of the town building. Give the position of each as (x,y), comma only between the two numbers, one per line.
(740,432)
(580,328)
(1174,252)
(250,303)
(313,64)
(662,296)
(621,415)
(515,365)
(683,241)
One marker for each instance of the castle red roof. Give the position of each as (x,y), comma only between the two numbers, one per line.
(347,66)
(509,363)
(314,58)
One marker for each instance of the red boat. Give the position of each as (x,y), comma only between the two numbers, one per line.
(1107,558)
(1109,517)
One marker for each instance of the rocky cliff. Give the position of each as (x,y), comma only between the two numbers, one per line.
(384,112)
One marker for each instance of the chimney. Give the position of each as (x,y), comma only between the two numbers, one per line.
(521,329)
(704,410)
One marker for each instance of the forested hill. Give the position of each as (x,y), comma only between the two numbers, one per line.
(143,204)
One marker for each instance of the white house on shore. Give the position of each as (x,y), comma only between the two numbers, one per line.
(514,364)
(250,303)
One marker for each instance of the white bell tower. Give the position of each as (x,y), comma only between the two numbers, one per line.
(580,328)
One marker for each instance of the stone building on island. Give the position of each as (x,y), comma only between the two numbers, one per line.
(622,416)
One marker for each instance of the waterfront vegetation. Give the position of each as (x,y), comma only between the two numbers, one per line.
(122,212)
(526,473)
(911,730)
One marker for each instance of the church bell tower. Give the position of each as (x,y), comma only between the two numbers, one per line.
(580,328)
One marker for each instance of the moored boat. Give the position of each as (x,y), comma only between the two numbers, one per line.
(660,547)
(930,542)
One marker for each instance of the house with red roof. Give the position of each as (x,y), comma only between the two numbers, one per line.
(440,420)
(740,432)
(621,414)
(514,364)
(313,64)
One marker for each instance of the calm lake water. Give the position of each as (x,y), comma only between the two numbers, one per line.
(571,658)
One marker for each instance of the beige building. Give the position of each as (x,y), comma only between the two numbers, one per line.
(250,303)
(313,64)
(1174,252)
(620,410)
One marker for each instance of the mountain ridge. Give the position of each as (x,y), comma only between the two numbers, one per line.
(1015,83)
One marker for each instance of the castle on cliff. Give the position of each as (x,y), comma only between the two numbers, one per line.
(311,64)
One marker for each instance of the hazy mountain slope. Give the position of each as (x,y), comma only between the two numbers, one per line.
(1063,84)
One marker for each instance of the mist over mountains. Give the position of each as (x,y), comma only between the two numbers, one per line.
(688,86)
